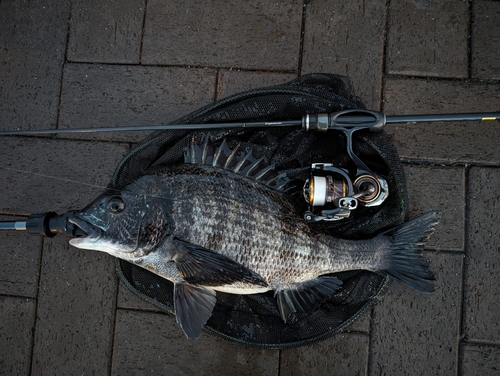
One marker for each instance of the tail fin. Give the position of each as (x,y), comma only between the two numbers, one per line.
(405,261)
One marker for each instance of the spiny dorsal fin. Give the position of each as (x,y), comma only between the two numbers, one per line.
(235,161)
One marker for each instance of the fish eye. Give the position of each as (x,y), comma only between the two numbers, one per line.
(116,204)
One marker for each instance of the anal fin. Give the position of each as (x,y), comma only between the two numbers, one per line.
(307,296)
(193,307)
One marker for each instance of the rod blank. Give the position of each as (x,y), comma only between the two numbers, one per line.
(486,116)
(13,225)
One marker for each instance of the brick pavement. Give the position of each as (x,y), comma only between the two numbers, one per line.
(94,63)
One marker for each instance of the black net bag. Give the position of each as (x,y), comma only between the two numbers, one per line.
(254,320)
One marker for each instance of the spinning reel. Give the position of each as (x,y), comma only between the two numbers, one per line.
(332,194)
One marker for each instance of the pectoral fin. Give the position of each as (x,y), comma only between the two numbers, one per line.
(307,296)
(193,307)
(201,266)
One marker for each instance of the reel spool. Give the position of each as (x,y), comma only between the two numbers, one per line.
(331,194)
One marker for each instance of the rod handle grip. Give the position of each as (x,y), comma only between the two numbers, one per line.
(342,120)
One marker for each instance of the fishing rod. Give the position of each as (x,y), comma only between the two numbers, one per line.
(321,189)
(347,119)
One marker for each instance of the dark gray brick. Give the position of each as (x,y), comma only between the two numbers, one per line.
(480,360)
(482,295)
(20,261)
(344,354)
(362,324)
(76,312)
(240,34)
(485,39)
(346,37)
(17,318)
(428,38)
(454,141)
(232,82)
(148,342)
(53,175)
(106,32)
(127,299)
(416,333)
(443,189)
(112,95)
(31,58)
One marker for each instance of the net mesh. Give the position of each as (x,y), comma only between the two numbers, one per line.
(254,320)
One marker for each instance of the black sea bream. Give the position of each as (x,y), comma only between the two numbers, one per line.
(222,222)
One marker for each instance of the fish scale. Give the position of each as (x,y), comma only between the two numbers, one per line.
(212,219)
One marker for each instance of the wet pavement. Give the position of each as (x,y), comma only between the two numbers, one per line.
(102,63)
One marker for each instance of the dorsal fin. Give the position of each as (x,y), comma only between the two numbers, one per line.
(237,162)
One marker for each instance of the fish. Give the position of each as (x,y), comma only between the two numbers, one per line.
(225,221)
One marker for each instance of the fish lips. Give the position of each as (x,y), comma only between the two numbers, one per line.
(93,232)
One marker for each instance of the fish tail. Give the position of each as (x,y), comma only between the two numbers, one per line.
(405,260)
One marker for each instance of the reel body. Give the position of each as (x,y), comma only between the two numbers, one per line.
(332,194)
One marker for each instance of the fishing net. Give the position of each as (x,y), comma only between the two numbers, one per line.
(254,320)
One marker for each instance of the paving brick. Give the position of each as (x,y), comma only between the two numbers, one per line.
(53,175)
(442,189)
(345,354)
(76,313)
(346,37)
(148,342)
(127,299)
(362,324)
(240,34)
(482,296)
(480,360)
(428,38)
(415,333)
(232,82)
(412,333)
(17,318)
(31,58)
(450,142)
(20,261)
(106,32)
(112,95)
(485,39)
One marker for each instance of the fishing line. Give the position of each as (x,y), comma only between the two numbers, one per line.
(106,189)
(52,177)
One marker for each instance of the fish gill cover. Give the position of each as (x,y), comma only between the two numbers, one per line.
(255,320)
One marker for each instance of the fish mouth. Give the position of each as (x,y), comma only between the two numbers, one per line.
(93,232)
